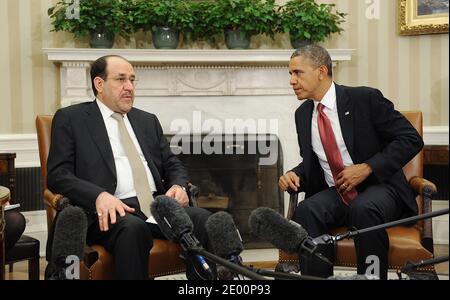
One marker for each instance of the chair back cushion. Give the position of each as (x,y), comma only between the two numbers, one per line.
(415,166)
(44,132)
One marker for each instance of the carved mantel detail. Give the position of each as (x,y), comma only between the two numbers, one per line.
(185,72)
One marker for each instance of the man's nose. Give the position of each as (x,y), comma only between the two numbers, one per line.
(292,81)
(128,85)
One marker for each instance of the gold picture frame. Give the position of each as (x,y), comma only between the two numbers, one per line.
(422,16)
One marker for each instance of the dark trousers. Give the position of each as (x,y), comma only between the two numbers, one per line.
(14,228)
(324,211)
(131,238)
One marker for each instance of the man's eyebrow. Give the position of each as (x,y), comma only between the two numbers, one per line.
(123,75)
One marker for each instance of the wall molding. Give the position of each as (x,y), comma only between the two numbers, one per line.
(435,135)
(26,146)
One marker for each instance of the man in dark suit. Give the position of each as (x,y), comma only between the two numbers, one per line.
(354,145)
(88,162)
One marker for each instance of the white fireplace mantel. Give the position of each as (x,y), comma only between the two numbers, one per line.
(185,72)
(265,56)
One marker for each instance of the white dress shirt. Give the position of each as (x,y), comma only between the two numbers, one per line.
(125,185)
(330,109)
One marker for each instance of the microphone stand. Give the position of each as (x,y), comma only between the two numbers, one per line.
(329,239)
(285,276)
(191,245)
(197,250)
(409,266)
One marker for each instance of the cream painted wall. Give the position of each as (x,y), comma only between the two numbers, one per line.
(412,71)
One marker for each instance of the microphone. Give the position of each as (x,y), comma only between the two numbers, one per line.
(225,240)
(227,243)
(286,235)
(69,240)
(223,235)
(176,225)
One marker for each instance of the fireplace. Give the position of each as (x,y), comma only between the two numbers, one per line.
(234,173)
(200,88)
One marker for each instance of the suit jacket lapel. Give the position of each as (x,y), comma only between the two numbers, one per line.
(345,113)
(141,137)
(96,126)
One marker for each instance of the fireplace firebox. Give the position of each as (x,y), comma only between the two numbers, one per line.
(234,173)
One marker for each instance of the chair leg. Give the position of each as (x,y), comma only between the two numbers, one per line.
(11,267)
(33,269)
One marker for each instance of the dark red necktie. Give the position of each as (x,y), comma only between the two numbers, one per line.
(332,152)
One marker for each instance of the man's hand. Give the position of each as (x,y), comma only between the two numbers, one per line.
(179,194)
(289,180)
(106,205)
(351,176)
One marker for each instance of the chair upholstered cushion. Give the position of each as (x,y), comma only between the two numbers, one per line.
(102,269)
(164,260)
(25,248)
(404,246)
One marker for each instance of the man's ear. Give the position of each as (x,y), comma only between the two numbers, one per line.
(98,83)
(323,72)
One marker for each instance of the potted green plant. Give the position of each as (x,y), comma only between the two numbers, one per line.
(204,25)
(240,19)
(165,19)
(308,22)
(101,20)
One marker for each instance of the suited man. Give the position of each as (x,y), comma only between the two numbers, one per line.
(88,163)
(354,145)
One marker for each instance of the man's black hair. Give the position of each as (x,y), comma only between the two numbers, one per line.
(98,69)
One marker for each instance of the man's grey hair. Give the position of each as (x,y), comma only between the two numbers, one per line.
(317,55)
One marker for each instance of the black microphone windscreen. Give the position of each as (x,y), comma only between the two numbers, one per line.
(223,235)
(270,226)
(172,219)
(70,234)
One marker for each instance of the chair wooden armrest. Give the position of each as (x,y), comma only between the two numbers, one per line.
(52,199)
(293,201)
(426,189)
(421,186)
(192,192)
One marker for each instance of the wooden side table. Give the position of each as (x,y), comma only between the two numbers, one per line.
(7,166)
(4,197)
